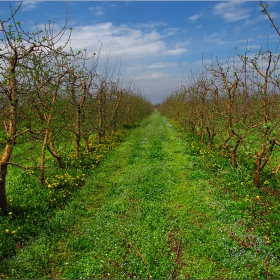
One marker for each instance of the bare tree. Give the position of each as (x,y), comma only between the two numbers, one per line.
(264,66)
(18,47)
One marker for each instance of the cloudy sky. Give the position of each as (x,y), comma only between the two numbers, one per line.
(157,43)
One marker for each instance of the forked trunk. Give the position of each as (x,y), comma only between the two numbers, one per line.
(54,153)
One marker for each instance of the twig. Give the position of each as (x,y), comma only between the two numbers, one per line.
(178,250)
(264,6)
(20,166)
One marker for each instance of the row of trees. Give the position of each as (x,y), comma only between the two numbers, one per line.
(52,96)
(235,105)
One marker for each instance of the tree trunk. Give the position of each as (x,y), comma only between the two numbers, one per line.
(233,159)
(100,137)
(7,153)
(225,146)
(77,133)
(42,158)
(202,137)
(54,153)
(78,119)
(261,161)
(211,135)
(100,103)
(86,144)
(257,177)
(3,196)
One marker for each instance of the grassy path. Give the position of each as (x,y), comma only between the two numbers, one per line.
(148,211)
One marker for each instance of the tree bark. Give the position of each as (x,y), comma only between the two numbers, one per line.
(257,177)
(54,153)
(100,104)
(86,144)
(7,153)
(42,158)
(3,196)
(77,133)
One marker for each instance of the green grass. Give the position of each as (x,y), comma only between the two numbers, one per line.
(159,206)
(31,207)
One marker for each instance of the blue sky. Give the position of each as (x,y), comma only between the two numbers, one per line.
(159,42)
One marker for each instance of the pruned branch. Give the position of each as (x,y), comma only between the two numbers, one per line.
(264,7)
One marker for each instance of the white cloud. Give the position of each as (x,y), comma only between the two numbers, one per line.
(215,38)
(156,65)
(151,76)
(171,31)
(176,51)
(157,86)
(122,41)
(182,44)
(231,11)
(194,17)
(162,65)
(149,25)
(29,5)
(220,38)
(98,11)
